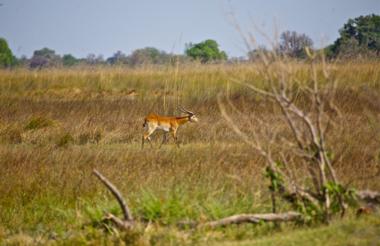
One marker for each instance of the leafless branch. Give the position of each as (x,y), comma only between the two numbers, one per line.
(245,218)
(127,222)
(254,88)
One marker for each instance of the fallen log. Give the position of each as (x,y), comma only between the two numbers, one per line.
(245,218)
(369,196)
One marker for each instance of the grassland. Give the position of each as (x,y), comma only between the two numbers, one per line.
(57,125)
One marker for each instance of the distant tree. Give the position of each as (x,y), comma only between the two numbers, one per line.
(6,57)
(44,58)
(92,59)
(293,44)
(256,54)
(148,55)
(69,60)
(359,36)
(38,62)
(118,58)
(46,52)
(205,51)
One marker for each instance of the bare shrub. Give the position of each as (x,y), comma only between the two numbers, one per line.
(299,161)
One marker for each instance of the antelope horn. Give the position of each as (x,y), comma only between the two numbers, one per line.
(184,110)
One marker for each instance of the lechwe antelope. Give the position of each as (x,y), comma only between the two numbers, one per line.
(155,122)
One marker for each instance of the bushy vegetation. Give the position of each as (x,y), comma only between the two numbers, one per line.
(56,125)
(358,37)
(44,58)
(205,51)
(6,56)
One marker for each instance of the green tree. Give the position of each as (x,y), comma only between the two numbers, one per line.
(358,36)
(205,51)
(6,57)
(69,60)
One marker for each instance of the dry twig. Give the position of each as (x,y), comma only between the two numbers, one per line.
(126,223)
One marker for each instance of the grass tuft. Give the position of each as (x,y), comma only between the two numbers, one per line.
(38,122)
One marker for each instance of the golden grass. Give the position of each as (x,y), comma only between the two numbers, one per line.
(57,125)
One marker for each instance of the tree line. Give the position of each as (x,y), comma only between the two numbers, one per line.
(358,37)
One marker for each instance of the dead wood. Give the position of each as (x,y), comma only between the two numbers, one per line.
(244,218)
(369,196)
(127,222)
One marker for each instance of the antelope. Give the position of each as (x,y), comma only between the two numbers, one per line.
(154,122)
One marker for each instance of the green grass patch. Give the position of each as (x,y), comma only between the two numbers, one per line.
(363,231)
(38,122)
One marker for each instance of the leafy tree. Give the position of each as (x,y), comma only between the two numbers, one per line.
(294,44)
(46,52)
(44,58)
(69,60)
(358,36)
(205,51)
(6,57)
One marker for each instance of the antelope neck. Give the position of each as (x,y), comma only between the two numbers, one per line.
(182,119)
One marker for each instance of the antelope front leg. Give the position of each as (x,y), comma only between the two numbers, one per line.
(175,138)
(145,137)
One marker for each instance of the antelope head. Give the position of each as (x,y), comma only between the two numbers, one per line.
(191,115)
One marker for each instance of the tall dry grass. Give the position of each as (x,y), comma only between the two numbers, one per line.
(57,125)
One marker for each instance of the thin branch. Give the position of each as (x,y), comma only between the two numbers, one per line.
(237,130)
(292,124)
(126,212)
(254,88)
(122,224)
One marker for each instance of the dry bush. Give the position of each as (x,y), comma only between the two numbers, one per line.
(295,143)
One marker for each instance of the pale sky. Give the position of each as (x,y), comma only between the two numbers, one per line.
(102,27)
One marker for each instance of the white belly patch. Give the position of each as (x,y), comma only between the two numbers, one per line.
(164,128)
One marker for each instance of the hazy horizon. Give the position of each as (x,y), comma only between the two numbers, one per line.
(99,27)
